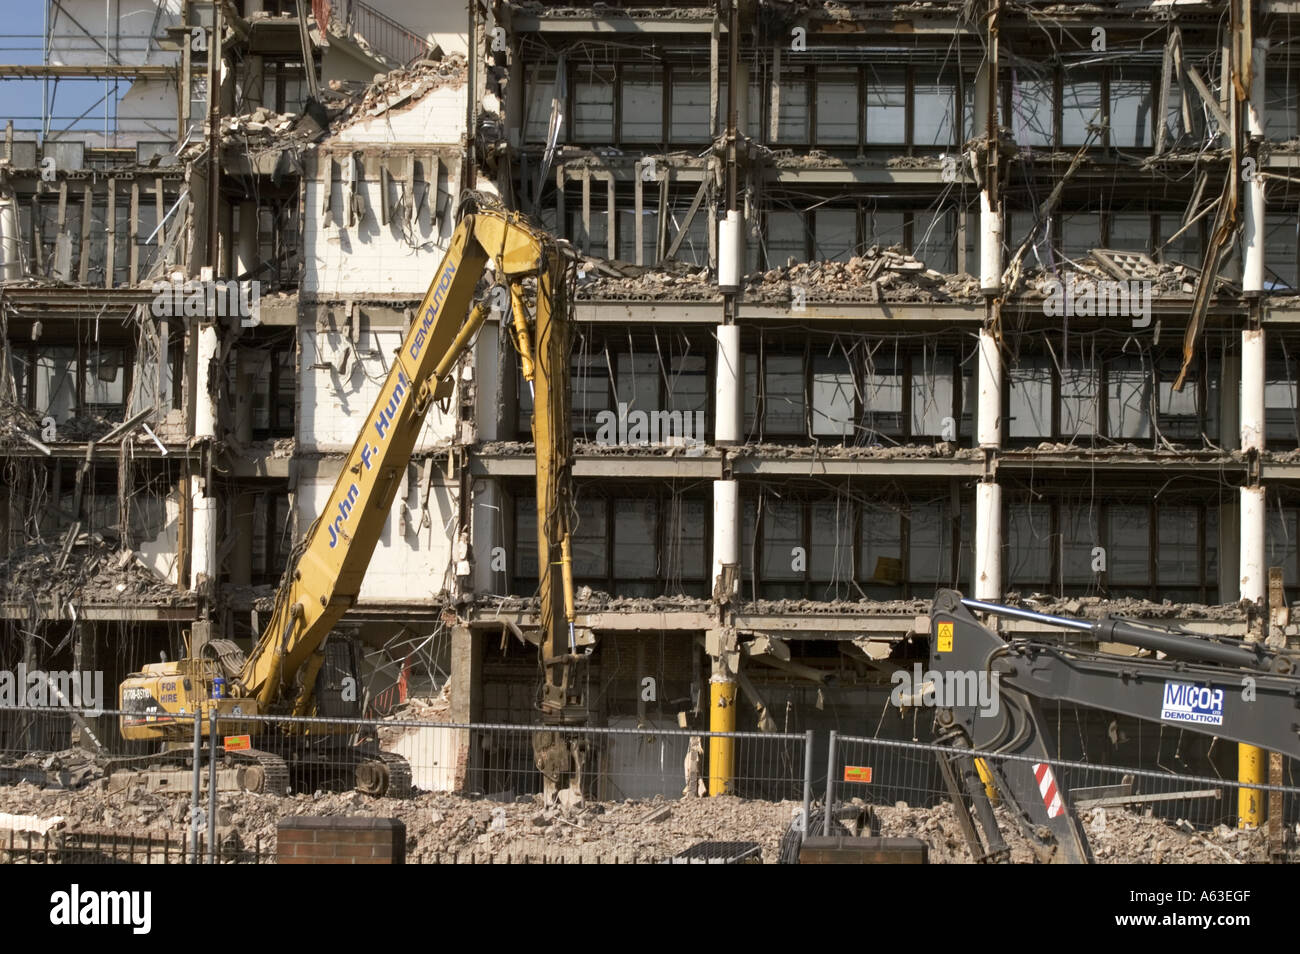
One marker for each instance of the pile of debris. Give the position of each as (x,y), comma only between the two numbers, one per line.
(1117,836)
(602,280)
(1168,279)
(942,450)
(596,601)
(397,88)
(1095,607)
(86,569)
(261,125)
(877,275)
(439,826)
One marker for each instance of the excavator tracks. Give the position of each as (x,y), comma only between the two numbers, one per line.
(262,772)
(384,775)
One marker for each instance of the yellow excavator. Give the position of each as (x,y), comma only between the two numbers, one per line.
(286,673)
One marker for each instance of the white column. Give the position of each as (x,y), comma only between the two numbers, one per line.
(11,265)
(989,418)
(1252,390)
(1252,236)
(990,244)
(988,541)
(731,250)
(726,529)
(1253,574)
(728,388)
(203,553)
(205,408)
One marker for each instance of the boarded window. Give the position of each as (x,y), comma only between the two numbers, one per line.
(886,107)
(934,101)
(1080,107)
(783,407)
(832,396)
(792,114)
(1128,398)
(643,105)
(689,93)
(1028,549)
(837,108)
(836,234)
(1131,108)
(593,105)
(1030,392)
(1128,533)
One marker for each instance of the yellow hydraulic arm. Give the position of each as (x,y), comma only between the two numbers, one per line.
(333,557)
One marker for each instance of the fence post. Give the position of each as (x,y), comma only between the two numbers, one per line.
(212,785)
(196,802)
(807,778)
(830,786)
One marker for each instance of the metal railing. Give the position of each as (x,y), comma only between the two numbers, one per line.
(884,772)
(385,35)
(139,810)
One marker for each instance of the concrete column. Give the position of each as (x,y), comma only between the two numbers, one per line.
(1252,572)
(490,557)
(988,541)
(11,265)
(726,530)
(205,408)
(466,700)
(990,243)
(203,557)
(1252,390)
(728,389)
(1252,237)
(989,418)
(246,245)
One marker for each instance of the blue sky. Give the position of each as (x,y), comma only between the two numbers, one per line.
(20,100)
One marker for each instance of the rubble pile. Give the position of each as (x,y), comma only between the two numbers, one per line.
(618,281)
(877,275)
(1168,279)
(261,125)
(946,450)
(446,827)
(588,600)
(397,88)
(91,572)
(1095,607)
(439,826)
(1117,836)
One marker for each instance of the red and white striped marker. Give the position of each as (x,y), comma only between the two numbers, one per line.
(1047,787)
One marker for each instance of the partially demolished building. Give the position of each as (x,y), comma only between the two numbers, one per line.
(992,295)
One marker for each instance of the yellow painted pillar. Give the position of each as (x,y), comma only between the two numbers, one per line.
(1252,768)
(722,752)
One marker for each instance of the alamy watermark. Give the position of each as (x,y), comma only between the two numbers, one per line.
(1101,299)
(946,690)
(39,688)
(208,299)
(679,428)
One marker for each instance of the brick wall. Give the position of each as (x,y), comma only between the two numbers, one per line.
(337,840)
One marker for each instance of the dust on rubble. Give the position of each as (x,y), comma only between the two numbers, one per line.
(1116,836)
(446,827)
(439,826)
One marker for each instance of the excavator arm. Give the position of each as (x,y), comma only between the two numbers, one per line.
(1227,689)
(325,578)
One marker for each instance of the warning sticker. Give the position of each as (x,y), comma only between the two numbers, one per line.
(944,638)
(234,743)
(857,773)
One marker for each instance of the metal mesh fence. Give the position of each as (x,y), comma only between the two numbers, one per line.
(883,772)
